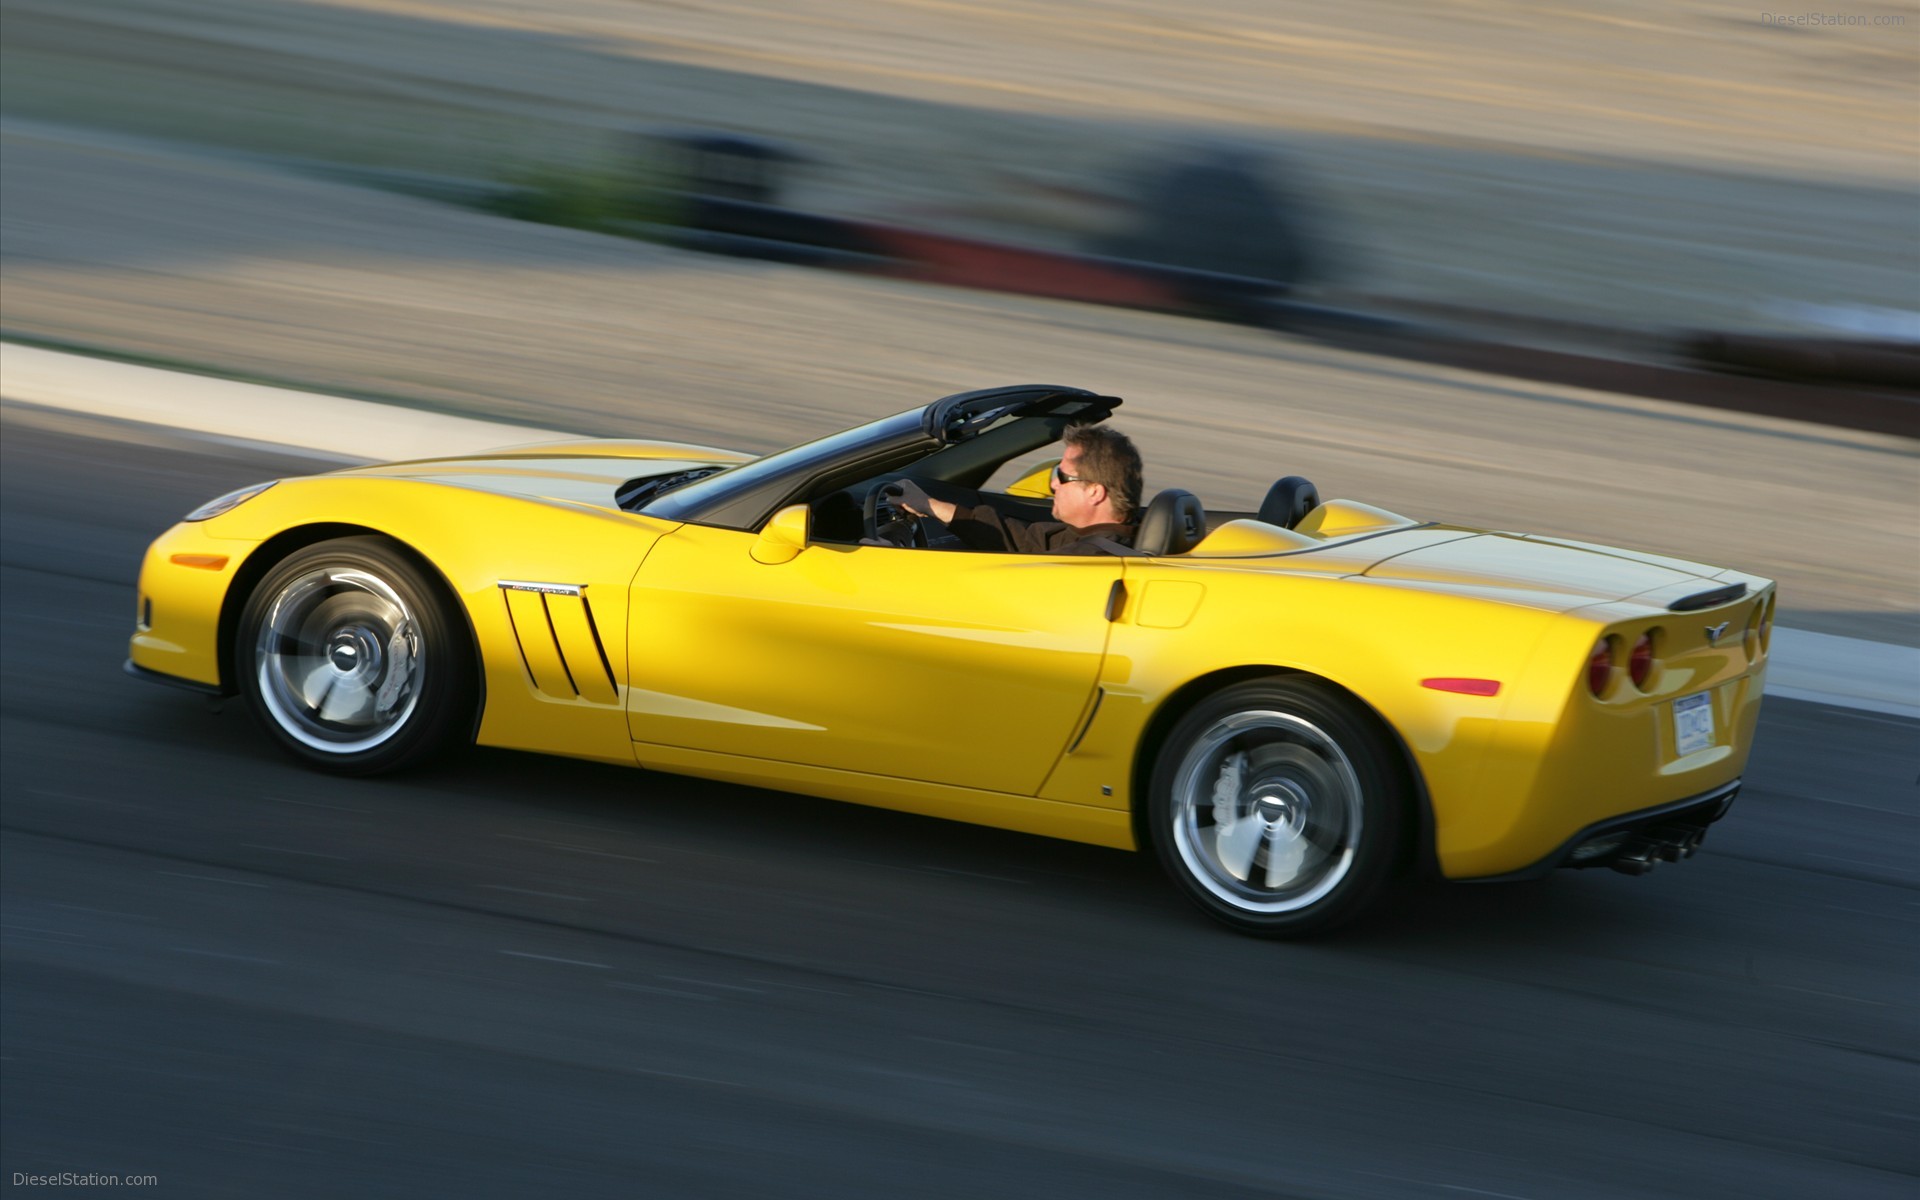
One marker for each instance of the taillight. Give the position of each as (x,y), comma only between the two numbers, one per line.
(1600,665)
(1640,662)
(1759,624)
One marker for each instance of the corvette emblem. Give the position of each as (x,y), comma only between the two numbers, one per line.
(1714,632)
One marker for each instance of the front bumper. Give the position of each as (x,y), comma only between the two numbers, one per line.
(184,580)
(139,672)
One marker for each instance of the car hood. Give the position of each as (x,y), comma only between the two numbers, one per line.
(575,472)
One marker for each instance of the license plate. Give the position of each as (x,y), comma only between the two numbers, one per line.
(1692,723)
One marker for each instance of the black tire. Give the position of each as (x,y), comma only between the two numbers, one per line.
(351,659)
(1305,832)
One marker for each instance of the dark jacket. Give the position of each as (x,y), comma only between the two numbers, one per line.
(982,527)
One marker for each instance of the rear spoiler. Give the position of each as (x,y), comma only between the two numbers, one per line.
(1709,599)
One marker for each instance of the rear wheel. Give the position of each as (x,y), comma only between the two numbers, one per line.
(351,659)
(1279,807)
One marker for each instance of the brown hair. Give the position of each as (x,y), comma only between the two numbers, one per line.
(1107,457)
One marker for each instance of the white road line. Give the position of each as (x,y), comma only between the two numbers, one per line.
(660,991)
(1848,672)
(1845,672)
(514,837)
(571,962)
(501,887)
(227,408)
(290,850)
(731,987)
(214,879)
(248,958)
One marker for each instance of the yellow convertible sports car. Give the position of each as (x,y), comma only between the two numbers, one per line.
(1292,707)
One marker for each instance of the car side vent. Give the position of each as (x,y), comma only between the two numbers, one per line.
(558,640)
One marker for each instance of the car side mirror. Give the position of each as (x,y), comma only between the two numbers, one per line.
(784,537)
(1035,483)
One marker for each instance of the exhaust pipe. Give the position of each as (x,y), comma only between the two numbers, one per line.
(1677,841)
(1636,859)
(1662,843)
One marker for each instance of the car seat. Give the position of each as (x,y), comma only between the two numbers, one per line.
(1289,501)
(1173,524)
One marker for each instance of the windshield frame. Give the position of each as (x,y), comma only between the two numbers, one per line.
(746,496)
(743,497)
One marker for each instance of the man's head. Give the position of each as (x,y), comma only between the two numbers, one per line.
(1098,480)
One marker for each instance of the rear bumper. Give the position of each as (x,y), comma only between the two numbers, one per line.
(1633,842)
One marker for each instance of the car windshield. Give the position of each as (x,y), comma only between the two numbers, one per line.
(729,497)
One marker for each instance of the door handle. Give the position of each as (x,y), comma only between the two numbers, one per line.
(1116,600)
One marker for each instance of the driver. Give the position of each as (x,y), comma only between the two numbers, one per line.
(1096,495)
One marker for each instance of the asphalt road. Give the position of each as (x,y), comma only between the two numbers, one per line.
(520,976)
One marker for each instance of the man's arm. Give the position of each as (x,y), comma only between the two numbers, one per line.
(977,523)
(915,500)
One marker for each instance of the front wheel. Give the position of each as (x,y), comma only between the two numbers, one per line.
(351,660)
(1279,807)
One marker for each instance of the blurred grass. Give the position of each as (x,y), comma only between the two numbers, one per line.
(636,198)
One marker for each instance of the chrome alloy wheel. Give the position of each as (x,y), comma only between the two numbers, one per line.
(340,660)
(1267,811)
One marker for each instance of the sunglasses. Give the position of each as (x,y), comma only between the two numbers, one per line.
(1060,477)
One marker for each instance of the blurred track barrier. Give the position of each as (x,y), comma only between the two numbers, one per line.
(1845,360)
(1851,386)
(1840,671)
(1869,386)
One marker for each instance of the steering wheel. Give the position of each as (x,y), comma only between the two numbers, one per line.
(887,522)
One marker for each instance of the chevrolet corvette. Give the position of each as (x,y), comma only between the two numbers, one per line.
(1293,707)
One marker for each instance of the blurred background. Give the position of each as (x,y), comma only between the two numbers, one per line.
(1645,274)
(308,192)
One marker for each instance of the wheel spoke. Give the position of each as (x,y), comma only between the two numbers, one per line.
(346,703)
(1237,843)
(1286,854)
(315,687)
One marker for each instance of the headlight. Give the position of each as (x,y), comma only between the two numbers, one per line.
(228,502)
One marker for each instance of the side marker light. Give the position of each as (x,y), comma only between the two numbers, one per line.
(204,562)
(1465,687)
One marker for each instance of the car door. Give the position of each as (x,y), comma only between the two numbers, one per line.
(950,667)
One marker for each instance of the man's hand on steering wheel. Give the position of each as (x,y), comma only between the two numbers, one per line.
(888,521)
(899,512)
(910,496)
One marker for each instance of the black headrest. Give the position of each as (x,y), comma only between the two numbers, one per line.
(1173,524)
(1289,501)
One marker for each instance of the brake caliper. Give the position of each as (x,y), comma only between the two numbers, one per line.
(1226,789)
